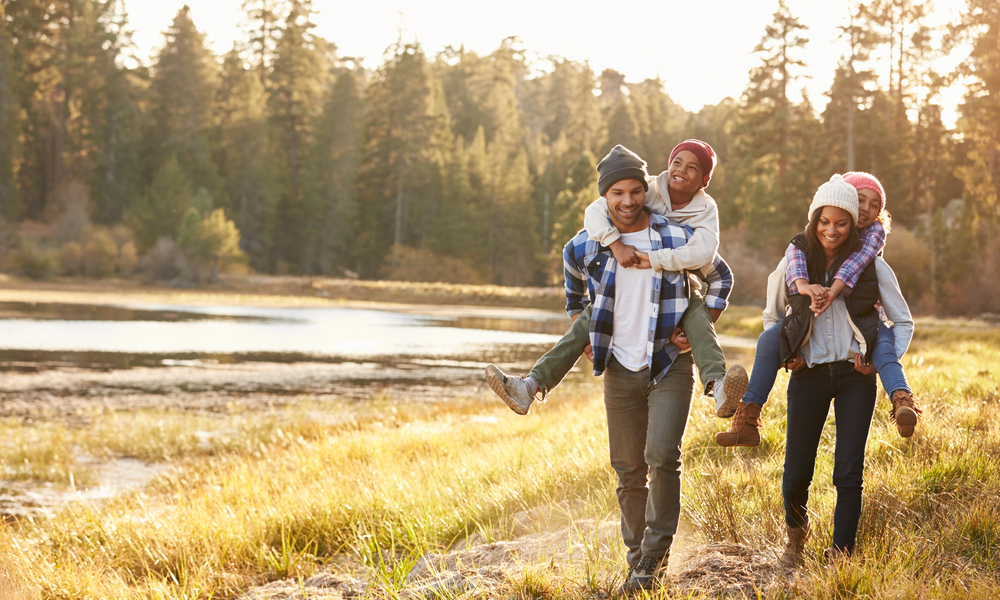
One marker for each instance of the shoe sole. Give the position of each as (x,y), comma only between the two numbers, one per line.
(906,418)
(498,383)
(735,384)
(737,445)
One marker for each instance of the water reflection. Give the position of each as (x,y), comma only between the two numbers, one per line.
(42,336)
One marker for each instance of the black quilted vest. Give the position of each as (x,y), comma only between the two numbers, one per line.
(861,305)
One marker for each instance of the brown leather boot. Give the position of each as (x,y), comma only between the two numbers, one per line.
(744,429)
(905,413)
(795,546)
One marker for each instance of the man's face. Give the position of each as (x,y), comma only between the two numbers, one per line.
(625,201)
(685,172)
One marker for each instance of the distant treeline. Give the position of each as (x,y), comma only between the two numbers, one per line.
(458,167)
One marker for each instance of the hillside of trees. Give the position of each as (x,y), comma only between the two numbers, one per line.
(284,156)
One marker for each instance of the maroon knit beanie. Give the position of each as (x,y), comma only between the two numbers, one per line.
(702,151)
(866,181)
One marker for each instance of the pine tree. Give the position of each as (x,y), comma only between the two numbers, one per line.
(771,131)
(294,100)
(182,94)
(245,158)
(330,197)
(158,213)
(9,127)
(406,141)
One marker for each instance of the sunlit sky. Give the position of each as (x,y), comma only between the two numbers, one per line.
(702,50)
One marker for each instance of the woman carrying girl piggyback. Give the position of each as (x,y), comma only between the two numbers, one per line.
(775,348)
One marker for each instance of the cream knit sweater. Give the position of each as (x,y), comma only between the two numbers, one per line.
(701,215)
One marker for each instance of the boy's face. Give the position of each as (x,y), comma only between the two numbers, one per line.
(685,172)
(869,206)
(625,201)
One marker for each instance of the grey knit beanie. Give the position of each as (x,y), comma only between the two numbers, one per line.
(620,163)
(836,192)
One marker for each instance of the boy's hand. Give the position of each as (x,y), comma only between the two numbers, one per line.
(679,338)
(624,254)
(643,261)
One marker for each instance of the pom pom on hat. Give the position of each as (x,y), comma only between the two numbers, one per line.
(836,192)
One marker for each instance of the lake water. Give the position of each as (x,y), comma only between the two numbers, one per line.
(129,335)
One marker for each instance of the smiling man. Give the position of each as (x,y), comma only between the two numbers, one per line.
(648,381)
(679,194)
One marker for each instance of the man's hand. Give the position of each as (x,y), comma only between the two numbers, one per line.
(796,364)
(589,352)
(625,254)
(862,367)
(679,339)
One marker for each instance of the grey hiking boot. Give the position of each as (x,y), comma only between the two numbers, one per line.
(644,576)
(729,390)
(512,390)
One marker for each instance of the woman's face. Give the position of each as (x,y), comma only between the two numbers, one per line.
(833,227)
(869,206)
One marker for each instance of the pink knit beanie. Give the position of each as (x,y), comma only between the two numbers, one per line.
(702,151)
(866,181)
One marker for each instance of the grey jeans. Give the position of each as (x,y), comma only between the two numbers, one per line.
(645,429)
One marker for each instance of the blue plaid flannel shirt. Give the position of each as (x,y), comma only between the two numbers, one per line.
(872,242)
(589,269)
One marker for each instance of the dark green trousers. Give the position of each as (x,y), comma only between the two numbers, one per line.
(553,366)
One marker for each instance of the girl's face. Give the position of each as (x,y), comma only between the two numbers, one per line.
(833,226)
(869,206)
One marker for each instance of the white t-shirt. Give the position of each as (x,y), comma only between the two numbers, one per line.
(633,291)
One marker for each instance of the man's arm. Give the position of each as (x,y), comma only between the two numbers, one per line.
(577,297)
(719,278)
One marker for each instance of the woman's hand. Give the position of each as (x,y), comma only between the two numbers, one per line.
(625,254)
(862,367)
(679,339)
(796,364)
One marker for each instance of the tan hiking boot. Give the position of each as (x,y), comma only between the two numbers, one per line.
(744,430)
(905,413)
(795,546)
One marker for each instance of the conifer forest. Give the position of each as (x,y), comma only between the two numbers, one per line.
(284,156)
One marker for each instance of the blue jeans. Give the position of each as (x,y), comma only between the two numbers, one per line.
(766,364)
(809,394)
(887,363)
(645,428)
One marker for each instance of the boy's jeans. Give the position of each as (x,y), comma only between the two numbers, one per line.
(553,366)
(766,365)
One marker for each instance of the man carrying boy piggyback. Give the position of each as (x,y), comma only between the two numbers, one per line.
(677,193)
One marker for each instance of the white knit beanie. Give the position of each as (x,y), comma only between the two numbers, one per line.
(839,193)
